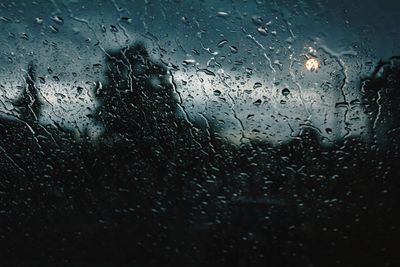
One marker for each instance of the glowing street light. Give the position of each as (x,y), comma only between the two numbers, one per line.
(312,64)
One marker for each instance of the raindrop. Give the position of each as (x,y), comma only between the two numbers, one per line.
(250,116)
(58,19)
(207,71)
(222,43)
(262,30)
(185,19)
(38,20)
(233,49)
(5,19)
(189,61)
(97,66)
(126,19)
(113,28)
(257,102)
(53,29)
(217,92)
(285,92)
(249,72)
(24,36)
(59,95)
(342,105)
(79,90)
(257,20)
(223,14)
(257,85)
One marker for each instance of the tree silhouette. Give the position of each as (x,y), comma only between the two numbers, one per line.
(381,99)
(137,99)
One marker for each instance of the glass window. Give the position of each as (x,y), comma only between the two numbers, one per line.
(199,133)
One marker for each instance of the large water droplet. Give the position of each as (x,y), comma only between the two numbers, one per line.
(257,85)
(285,92)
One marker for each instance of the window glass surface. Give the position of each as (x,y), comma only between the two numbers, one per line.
(199,133)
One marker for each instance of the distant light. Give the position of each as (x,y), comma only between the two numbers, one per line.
(312,64)
(312,50)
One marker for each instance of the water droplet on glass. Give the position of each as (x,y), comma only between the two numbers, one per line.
(189,61)
(222,43)
(257,20)
(113,28)
(223,14)
(53,29)
(249,71)
(38,20)
(262,30)
(24,36)
(250,116)
(234,49)
(126,19)
(257,85)
(58,19)
(285,92)
(207,71)
(342,105)
(257,102)
(217,92)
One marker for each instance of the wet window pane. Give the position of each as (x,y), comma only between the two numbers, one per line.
(199,133)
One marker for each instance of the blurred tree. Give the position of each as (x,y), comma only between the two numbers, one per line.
(138,98)
(381,99)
